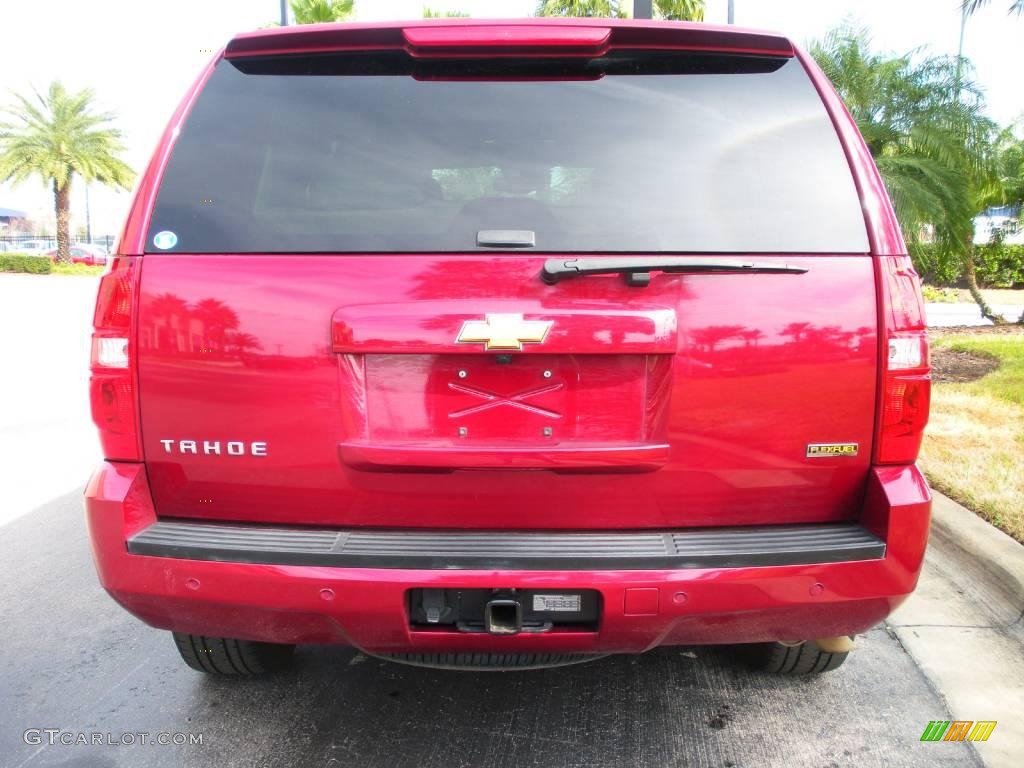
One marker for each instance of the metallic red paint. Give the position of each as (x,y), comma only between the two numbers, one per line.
(760,366)
(286,604)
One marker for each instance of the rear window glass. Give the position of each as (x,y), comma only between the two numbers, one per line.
(377,153)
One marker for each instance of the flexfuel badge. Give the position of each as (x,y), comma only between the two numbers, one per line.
(820,450)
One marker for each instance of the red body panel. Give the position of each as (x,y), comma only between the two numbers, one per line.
(762,365)
(331,390)
(367,607)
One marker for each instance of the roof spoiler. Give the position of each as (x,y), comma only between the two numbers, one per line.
(521,37)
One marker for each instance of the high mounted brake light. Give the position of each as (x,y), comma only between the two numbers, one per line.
(487,37)
(112,378)
(906,380)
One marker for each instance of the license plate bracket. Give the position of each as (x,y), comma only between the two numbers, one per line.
(506,399)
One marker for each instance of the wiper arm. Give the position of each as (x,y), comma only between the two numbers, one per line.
(637,270)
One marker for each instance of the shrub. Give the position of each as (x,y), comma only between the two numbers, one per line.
(20,262)
(935,264)
(998,265)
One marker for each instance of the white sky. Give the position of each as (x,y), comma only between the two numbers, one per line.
(140,56)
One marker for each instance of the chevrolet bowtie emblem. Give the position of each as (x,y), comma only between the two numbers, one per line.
(503,331)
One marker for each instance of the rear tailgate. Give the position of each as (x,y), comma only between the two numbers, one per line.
(734,374)
(321,339)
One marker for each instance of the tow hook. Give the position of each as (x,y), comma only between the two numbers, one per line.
(503,615)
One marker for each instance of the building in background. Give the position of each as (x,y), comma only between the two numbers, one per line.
(7,217)
(1003,222)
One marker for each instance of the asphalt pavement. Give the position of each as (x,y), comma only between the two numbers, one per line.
(75,664)
(47,442)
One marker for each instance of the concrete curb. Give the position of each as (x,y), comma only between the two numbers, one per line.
(943,315)
(996,553)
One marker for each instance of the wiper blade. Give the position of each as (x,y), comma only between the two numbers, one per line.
(637,270)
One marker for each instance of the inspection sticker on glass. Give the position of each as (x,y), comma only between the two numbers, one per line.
(556,602)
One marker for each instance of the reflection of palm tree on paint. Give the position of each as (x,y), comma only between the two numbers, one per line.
(170,320)
(751,336)
(829,336)
(217,319)
(796,330)
(242,342)
(209,326)
(713,335)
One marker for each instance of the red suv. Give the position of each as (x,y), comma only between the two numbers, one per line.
(510,344)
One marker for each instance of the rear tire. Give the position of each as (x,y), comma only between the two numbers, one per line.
(224,656)
(804,659)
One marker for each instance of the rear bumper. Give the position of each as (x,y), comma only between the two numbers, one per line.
(692,591)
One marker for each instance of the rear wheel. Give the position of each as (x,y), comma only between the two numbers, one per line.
(224,656)
(807,658)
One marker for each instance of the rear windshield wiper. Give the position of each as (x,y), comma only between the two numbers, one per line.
(637,270)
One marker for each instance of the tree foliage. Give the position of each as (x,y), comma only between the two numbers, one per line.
(973,6)
(679,10)
(922,118)
(322,11)
(430,13)
(55,135)
(674,10)
(1010,166)
(581,8)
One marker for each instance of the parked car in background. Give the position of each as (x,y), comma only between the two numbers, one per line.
(510,344)
(83,254)
(32,247)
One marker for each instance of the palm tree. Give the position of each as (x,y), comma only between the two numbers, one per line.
(922,120)
(321,11)
(584,8)
(55,136)
(680,10)
(972,6)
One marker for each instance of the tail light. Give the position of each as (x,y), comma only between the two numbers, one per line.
(906,380)
(112,380)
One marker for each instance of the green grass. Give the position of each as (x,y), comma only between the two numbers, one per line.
(76,269)
(974,446)
(1007,382)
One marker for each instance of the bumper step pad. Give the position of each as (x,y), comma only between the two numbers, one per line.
(734,547)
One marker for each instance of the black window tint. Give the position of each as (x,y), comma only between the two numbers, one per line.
(684,153)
